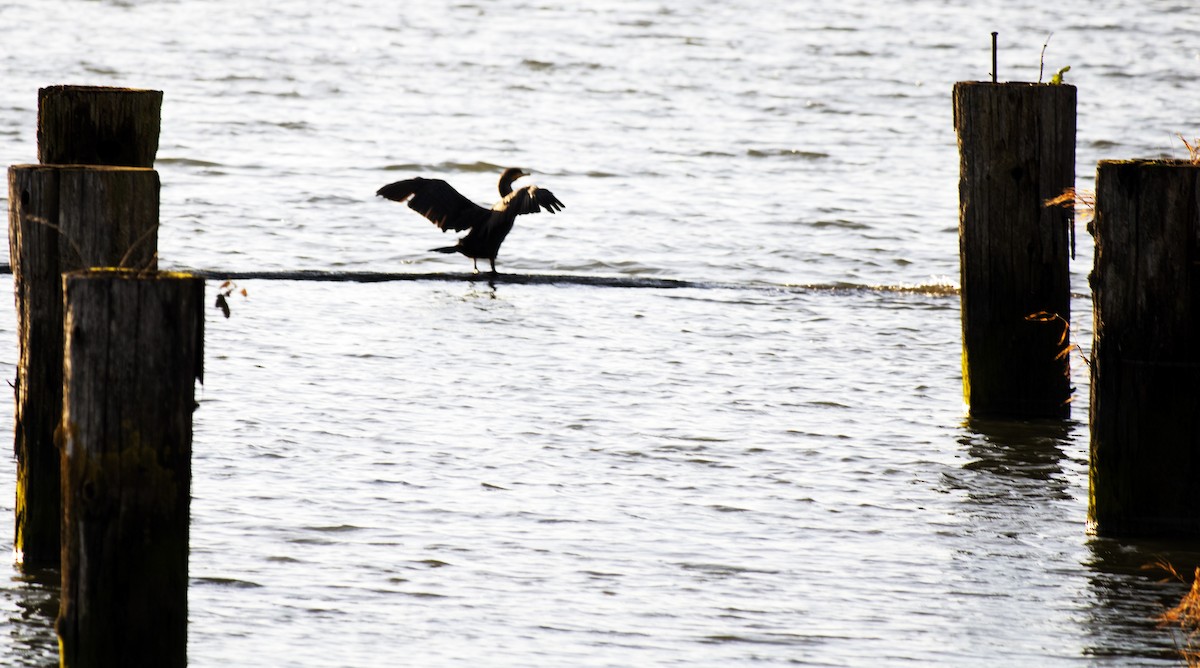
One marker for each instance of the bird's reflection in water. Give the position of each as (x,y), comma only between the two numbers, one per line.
(478,291)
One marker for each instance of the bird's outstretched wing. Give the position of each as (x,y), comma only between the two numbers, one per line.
(530,199)
(438,201)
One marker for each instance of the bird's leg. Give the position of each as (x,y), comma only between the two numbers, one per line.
(493,261)
(474,266)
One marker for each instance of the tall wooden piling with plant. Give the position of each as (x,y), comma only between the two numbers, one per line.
(1145,447)
(134,349)
(1017,150)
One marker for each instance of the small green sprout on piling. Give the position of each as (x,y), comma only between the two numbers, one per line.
(1057,79)
(224,292)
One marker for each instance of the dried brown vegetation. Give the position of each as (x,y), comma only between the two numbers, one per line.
(1193,148)
(1064,340)
(224,292)
(1083,201)
(1185,616)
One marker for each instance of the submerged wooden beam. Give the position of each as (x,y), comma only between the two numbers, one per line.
(382,276)
(635,282)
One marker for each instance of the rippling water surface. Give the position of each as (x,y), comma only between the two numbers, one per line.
(775,470)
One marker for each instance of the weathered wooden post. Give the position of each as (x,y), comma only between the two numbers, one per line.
(61,218)
(134,349)
(96,125)
(1017,149)
(1145,400)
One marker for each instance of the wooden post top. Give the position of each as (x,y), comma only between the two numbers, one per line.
(98,125)
(1172,163)
(81,167)
(65,88)
(123,273)
(1013,84)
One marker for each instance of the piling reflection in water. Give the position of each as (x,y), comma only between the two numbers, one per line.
(1015,490)
(1130,592)
(31,602)
(1015,451)
(1019,480)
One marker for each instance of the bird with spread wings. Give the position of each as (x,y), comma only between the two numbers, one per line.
(486,228)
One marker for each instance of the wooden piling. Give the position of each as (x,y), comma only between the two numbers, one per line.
(134,349)
(96,125)
(1017,150)
(1145,446)
(61,219)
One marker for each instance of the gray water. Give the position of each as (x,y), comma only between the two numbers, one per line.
(776,470)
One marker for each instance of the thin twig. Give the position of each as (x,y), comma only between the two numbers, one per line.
(135,244)
(1042,63)
(40,220)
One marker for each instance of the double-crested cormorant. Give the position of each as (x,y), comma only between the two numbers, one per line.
(439,202)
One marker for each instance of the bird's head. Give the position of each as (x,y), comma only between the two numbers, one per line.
(511,174)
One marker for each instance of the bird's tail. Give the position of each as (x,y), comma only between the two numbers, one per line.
(447,249)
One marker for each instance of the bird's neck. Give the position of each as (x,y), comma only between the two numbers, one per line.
(506,187)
